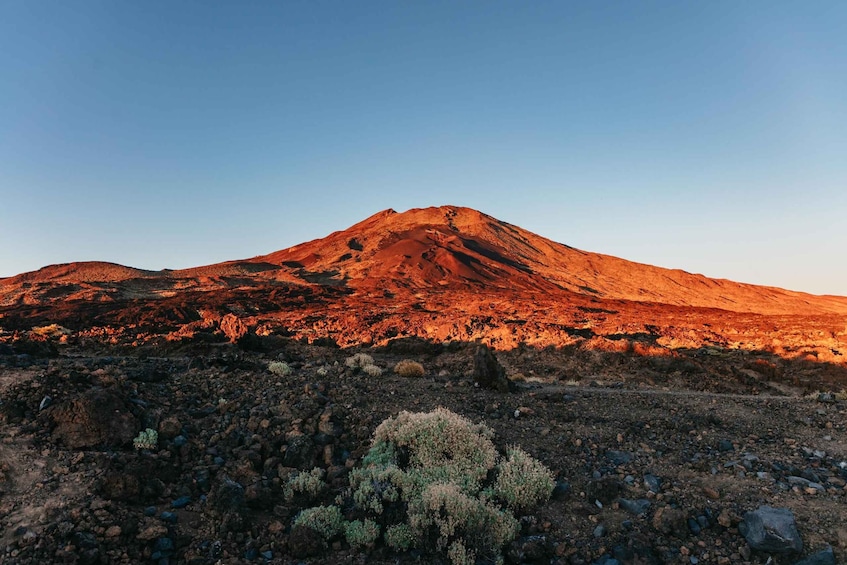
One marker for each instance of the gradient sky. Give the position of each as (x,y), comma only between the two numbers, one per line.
(706,136)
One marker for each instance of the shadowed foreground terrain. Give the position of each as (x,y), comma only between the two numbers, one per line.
(698,440)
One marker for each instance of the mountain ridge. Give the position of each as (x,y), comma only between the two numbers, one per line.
(436,248)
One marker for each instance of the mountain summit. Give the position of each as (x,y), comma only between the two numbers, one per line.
(461,248)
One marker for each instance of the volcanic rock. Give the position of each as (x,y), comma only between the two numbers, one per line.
(96,417)
(488,372)
(772,530)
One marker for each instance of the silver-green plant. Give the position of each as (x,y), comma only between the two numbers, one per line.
(325,520)
(360,533)
(279,368)
(310,484)
(146,439)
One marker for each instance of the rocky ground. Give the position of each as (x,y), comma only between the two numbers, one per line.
(658,458)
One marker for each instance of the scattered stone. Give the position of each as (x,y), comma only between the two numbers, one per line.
(653,483)
(618,457)
(725,445)
(600,531)
(638,507)
(772,530)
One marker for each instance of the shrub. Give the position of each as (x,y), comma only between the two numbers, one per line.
(441,446)
(409,368)
(310,484)
(325,520)
(372,370)
(147,439)
(522,482)
(435,481)
(359,361)
(361,534)
(279,368)
(399,537)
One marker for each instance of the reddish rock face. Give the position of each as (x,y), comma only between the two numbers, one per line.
(441,274)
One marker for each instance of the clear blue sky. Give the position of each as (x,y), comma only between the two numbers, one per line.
(707,136)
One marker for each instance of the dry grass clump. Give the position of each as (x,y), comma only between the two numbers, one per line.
(409,368)
(435,481)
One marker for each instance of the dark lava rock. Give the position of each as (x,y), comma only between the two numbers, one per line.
(488,372)
(825,557)
(305,542)
(653,483)
(618,457)
(725,445)
(561,490)
(772,530)
(227,501)
(97,417)
(637,507)
(300,453)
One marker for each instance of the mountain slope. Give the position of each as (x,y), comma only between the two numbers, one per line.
(454,247)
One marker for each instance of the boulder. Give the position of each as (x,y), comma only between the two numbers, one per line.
(94,418)
(488,372)
(772,530)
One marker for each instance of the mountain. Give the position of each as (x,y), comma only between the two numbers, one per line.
(442,273)
(456,247)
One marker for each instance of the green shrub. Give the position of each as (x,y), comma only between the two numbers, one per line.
(147,439)
(279,368)
(409,368)
(441,447)
(310,484)
(399,537)
(522,482)
(435,481)
(326,520)
(361,534)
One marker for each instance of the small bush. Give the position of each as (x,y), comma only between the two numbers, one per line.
(147,439)
(326,520)
(359,361)
(310,484)
(372,370)
(409,368)
(435,481)
(361,534)
(522,482)
(279,368)
(399,537)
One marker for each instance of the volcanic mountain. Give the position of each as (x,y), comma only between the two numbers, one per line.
(440,273)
